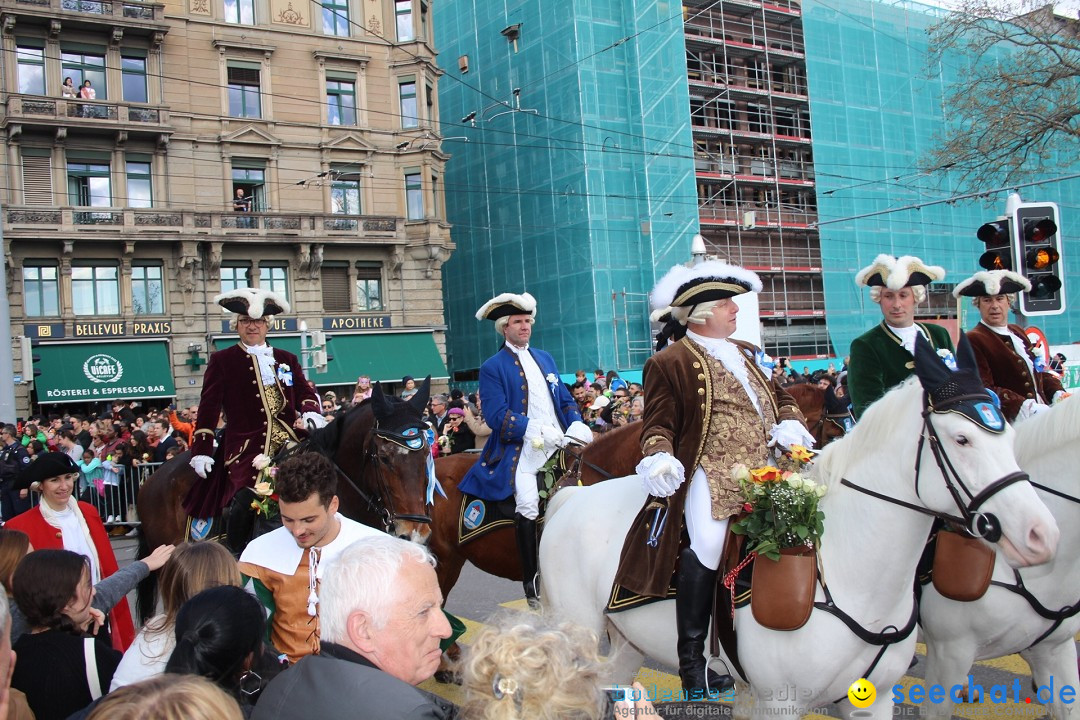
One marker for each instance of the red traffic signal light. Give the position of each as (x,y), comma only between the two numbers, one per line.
(1039,231)
(994,233)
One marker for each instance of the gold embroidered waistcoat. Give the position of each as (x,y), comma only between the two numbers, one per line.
(735,434)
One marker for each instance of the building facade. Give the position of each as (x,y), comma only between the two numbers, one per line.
(226,143)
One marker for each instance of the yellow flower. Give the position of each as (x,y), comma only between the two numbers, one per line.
(765,474)
(254,505)
(801,454)
(263,489)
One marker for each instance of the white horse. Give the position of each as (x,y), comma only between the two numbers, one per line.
(1002,622)
(868,556)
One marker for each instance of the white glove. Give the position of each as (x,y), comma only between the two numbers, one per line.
(661,474)
(1031,407)
(313,419)
(552,436)
(577,434)
(788,433)
(202,464)
(1059,396)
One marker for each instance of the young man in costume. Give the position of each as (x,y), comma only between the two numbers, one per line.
(1007,363)
(531,414)
(267,403)
(709,405)
(882,357)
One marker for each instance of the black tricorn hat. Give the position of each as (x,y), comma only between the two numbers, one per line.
(48,465)
(989,283)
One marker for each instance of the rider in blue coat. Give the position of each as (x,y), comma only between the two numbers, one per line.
(531,415)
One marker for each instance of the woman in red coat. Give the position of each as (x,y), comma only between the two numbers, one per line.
(60,522)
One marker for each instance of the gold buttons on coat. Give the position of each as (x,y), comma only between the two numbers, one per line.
(701,391)
(697,365)
(701,376)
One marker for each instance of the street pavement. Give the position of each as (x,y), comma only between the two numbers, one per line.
(477,596)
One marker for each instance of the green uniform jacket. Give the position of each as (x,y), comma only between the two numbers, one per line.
(879,362)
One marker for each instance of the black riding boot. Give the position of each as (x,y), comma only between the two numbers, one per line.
(238,519)
(528,552)
(693,604)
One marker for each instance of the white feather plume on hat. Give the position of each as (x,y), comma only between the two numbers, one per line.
(988,283)
(524,303)
(253,302)
(896,273)
(668,286)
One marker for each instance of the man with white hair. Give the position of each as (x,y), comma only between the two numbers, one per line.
(531,414)
(267,402)
(710,404)
(1007,363)
(883,357)
(382,622)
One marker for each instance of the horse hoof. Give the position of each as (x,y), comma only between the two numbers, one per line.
(447,677)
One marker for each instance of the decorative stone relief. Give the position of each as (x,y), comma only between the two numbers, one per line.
(283,13)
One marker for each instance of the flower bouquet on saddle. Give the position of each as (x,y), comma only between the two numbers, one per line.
(782,523)
(266,498)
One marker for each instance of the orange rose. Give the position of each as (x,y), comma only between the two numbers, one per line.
(765,474)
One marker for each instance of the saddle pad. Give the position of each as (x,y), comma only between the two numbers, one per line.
(478,516)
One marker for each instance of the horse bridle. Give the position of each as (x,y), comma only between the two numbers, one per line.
(979,524)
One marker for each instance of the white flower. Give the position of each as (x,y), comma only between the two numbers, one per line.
(261,461)
(740,473)
(795,481)
(808,485)
(820,491)
(552,378)
(263,489)
(538,443)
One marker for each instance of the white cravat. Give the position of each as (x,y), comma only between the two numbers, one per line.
(906,335)
(264,354)
(732,359)
(541,406)
(1018,345)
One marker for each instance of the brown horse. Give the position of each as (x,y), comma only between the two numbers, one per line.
(613,454)
(381,457)
(824,427)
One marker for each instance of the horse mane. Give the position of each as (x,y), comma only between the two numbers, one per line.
(327,439)
(878,427)
(1047,432)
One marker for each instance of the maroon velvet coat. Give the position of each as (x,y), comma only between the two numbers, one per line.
(232,384)
(1005,372)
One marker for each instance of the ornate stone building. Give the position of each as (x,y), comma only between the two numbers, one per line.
(293,146)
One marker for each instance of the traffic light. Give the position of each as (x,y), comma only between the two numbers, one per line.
(998,255)
(319,358)
(1037,250)
(29,360)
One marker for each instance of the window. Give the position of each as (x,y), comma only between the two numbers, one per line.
(31,62)
(274,278)
(41,291)
(403,15)
(368,286)
(95,290)
(335,14)
(341,100)
(146,290)
(81,67)
(88,184)
(423,21)
(429,99)
(435,205)
(37,176)
(407,92)
(139,185)
(133,76)
(414,196)
(335,287)
(244,98)
(345,194)
(234,277)
(240,12)
(250,176)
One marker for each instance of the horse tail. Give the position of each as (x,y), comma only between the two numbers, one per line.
(146,590)
(559,499)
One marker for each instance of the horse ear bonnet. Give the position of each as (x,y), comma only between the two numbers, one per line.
(958,391)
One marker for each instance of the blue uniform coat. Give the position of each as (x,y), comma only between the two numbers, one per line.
(505,395)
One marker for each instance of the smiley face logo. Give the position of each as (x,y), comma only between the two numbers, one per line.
(862,693)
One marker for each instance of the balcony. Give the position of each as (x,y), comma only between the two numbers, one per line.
(115,16)
(101,116)
(725,214)
(35,221)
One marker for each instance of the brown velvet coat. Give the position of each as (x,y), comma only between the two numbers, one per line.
(1005,372)
(677,383)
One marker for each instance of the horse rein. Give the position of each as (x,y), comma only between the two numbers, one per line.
(978,524)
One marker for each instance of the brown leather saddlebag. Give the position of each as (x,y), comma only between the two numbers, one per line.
(963,566)
(782,592)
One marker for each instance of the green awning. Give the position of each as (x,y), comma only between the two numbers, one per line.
(382,356)
(77,372)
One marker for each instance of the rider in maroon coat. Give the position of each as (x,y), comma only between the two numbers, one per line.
(264,395)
